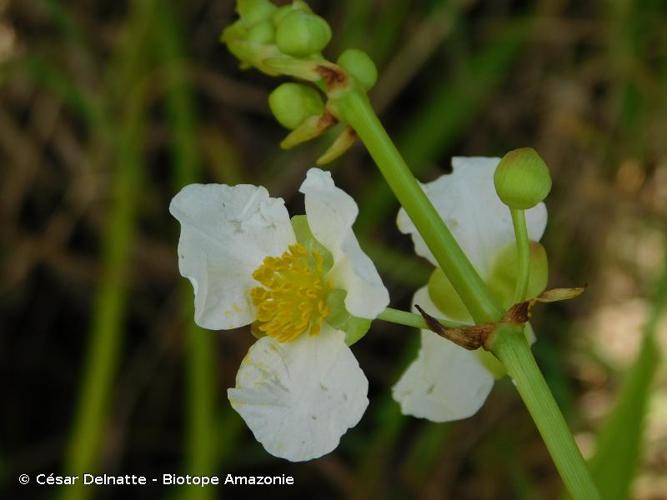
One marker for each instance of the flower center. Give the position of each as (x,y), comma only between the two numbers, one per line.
(292,298)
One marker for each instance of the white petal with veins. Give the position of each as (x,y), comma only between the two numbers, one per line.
(300,397)
(226,231)
(446,382)
(331,213)
(467,201)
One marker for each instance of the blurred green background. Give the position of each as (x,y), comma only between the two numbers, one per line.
(107,108)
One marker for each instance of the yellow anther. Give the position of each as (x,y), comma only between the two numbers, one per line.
(291,300)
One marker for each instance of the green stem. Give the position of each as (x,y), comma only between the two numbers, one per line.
(510,346)
(413,320)
(523,254)
(356,110)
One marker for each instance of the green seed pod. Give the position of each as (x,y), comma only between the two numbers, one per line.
(360,66)
(301,34)
(254,11)
(522,179)
(292,103)
(261,32)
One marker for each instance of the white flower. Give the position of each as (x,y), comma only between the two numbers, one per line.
(447,382)
(299,388)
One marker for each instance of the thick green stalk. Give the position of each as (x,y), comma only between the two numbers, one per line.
(509,343)
(443,115)
(356,110)
(510,346)
(523,254)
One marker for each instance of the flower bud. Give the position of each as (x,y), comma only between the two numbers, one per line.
(261,32)
(301,34)
(254,11)
(292,103)
(360,66)
(522,179)
(280,14)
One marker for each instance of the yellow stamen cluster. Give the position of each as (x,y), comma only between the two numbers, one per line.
(292,298)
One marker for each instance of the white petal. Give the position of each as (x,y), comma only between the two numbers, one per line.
(331,213)
(446,382)
(466,199)
(300,397)
(226,231)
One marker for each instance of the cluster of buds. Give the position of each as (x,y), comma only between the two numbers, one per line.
(289,41)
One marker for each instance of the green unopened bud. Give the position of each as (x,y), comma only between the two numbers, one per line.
(445,298)
(280,14)
(261,32)
(234,31)
(360,66)
(522,179)
(230,36)
(254,11)
(293,103)
(502,280)
(301,34)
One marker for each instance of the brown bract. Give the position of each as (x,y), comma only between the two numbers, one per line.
(334,77)
(470,337)
(475,336)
